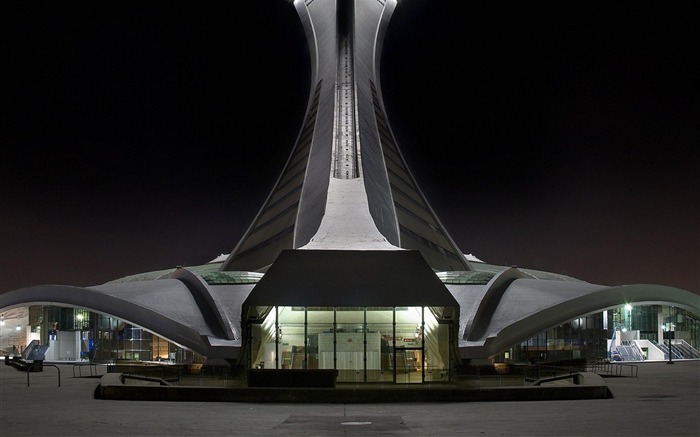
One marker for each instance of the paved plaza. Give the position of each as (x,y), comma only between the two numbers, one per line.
(663,400)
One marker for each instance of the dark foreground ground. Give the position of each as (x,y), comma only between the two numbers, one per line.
(662,400)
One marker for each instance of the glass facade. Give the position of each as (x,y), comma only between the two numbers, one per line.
(581,338)
(78,334)
(370,344)
(375,344)
(640,332)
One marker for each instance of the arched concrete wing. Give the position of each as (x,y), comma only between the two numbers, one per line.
(165,307)
(529,306)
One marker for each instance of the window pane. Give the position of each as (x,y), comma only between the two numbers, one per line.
(350,344)
(379,343)
(437,349)
(320,333)
(292,343)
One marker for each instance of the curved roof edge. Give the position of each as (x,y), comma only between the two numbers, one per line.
(587,303)
(100,302)
(490,300)
(205,301)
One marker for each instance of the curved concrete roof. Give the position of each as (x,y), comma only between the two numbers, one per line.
(527,306)
(198,317)
(183,308)
(134,302)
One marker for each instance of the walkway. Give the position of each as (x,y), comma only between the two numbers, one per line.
(663,400)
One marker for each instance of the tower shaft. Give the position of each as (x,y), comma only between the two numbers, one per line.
(345,184)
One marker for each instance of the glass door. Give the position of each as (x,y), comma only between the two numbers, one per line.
(408,345)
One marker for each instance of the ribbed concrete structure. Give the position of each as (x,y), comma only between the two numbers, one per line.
(346,184)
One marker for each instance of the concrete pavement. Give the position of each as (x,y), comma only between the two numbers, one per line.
(662,400)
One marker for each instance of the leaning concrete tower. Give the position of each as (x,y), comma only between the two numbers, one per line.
(345,185)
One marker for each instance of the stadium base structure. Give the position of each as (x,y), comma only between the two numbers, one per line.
(346,267)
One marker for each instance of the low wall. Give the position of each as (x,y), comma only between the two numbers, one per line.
(292,378)
(348,396)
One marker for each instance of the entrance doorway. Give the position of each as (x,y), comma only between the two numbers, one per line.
(403,345)
(408,368)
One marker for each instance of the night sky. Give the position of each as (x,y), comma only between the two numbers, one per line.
(560,137)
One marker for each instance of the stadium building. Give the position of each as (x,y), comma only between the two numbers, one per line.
(347,267)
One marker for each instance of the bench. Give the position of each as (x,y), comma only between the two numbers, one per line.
(23,365)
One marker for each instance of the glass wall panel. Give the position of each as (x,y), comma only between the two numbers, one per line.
(350,345)
(437,349)
(688,328)
(409,345)
(161,349)
(291,336)
(320,329)
(380,327)
(263,339)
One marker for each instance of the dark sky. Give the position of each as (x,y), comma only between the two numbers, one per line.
(140,136)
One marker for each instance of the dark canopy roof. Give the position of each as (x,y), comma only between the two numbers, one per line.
(347,278)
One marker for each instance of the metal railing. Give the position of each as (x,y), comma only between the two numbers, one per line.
(31,370)
(91,366)
(614,369)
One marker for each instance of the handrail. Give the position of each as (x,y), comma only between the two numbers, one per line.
(615,369)
(634,369)
(533,373)
(29,369)
(575,378)
(80,371)
(161,381)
